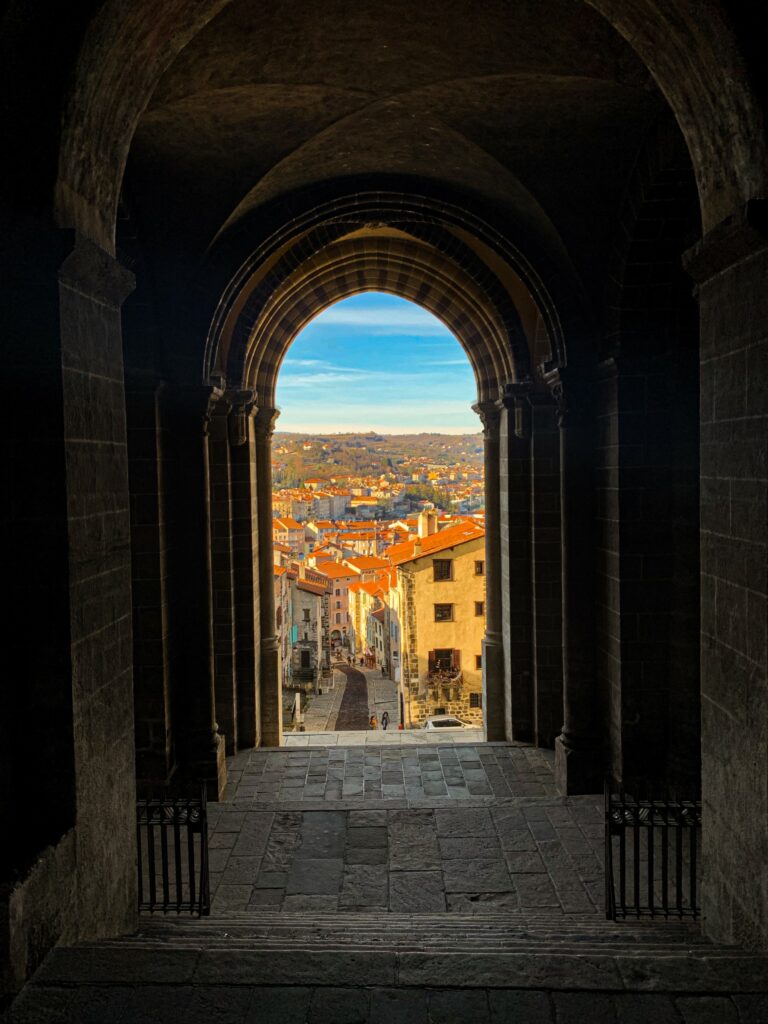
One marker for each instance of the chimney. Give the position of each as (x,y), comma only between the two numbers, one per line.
(417,547)
(427,524)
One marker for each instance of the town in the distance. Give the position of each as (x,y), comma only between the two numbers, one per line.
(379,551)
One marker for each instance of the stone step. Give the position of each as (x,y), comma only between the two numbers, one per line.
(552,969)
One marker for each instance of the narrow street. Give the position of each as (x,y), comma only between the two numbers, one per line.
(353,713)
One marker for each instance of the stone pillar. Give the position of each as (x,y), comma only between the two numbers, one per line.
(730,265)
(515,537)
(578,756)
(200,744)
(270,693)
(222,582)
(149,570)
(494,698)
(546,570)
(245,564)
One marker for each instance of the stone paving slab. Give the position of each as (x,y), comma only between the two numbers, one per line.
(380,772)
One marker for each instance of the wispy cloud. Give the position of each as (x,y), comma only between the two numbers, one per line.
(382,321)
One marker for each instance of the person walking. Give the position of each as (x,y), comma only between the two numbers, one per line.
(385,720)
(373,723)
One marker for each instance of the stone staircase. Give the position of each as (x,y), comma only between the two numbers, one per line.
(543,956)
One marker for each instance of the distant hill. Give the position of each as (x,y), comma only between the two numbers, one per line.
(298,456)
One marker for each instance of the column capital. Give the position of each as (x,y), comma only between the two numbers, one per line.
(571,392)
(515,398)
(242,405)
(743,234)
(96,273)
(490,417)
(194,403)
(265,420)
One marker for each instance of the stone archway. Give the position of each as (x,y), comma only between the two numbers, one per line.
(359,252)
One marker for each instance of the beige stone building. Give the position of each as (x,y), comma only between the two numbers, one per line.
(441,618)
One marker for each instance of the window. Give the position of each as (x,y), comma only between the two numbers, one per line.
(479,607)
(443,568)
(475,700)
(305,614)
(338,592)
(338,617)
(338,604)
(443,613)
(479,568)
(478,661)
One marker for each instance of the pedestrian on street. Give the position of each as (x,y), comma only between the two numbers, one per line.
(374,724)
(385,720)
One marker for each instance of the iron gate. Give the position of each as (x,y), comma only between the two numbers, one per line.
(172,840)
(652,855)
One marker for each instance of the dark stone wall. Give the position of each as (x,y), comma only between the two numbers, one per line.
(93,287)
(732,266)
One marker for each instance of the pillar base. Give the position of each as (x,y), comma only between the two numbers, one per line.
(271,695)
(578,770)
(211,769)
(493,690)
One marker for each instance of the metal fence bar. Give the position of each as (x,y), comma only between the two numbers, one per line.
(665,833)
(171,879)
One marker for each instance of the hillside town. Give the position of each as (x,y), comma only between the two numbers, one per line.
(384,571)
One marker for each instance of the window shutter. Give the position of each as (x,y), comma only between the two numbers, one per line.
(457,659)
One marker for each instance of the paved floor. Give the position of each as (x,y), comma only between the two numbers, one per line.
(422,885)
(453,771)
(431,829)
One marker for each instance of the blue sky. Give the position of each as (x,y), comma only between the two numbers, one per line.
(376,362)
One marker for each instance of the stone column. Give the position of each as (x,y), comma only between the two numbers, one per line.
(578,757)
(245,556)
(546,570)
(222,581)
(270,694)
(494,698)
(201,745)
(515,538)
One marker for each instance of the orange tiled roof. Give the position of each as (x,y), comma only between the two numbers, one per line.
(336,571)
(286,523)
(447,538)
(364,563)
(312,588)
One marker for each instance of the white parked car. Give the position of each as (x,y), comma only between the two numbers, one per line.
(444,722)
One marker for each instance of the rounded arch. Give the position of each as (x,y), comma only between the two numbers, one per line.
(439,255)
(388,265)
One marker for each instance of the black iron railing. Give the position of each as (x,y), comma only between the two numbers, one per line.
(652,854)
(172,838)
